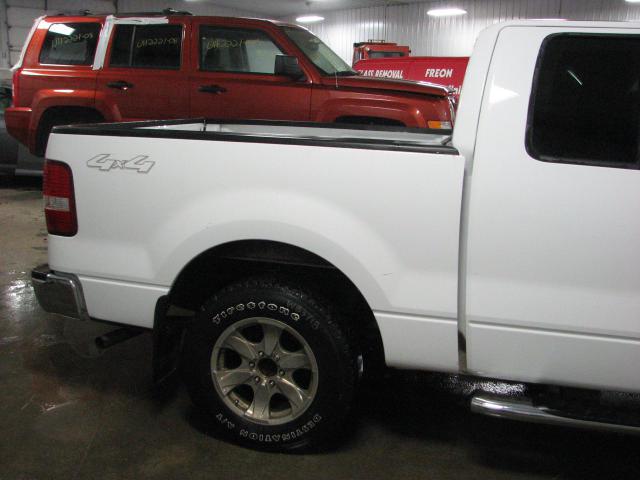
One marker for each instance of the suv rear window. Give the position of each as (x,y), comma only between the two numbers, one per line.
(70,44)
(147,46)
(585,101)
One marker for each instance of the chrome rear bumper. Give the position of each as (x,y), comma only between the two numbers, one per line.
(59,293)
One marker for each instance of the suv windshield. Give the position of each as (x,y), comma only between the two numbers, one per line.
(327,61)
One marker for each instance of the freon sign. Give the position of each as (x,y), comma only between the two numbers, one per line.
(439,73)
(447,71)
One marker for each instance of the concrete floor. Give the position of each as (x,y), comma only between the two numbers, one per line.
(67,412)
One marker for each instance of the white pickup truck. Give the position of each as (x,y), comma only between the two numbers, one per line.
(312,254)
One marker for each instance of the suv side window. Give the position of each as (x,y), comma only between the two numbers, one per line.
(237,50)
(146,46)
(70,44)
(585,101)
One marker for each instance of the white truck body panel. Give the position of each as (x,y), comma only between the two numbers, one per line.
(552,269)
(141,230)
(483,260)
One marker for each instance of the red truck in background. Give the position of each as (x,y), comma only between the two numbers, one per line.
(378,49)
(446,71)
(103,68)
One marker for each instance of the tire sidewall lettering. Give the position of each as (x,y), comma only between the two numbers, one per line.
(289,434)
(283,311)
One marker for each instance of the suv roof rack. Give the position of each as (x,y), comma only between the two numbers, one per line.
(166,11)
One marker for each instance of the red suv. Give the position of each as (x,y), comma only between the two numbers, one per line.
(94,68)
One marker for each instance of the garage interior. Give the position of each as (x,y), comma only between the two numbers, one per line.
(69,409)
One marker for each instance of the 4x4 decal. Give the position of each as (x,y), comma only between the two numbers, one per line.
(105,163)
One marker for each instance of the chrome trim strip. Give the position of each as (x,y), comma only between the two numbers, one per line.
(524,411)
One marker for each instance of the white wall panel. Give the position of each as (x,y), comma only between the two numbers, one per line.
(97,6)
(27,3)
(19,21)
(14,56)
(22,17)
(600,10)
(17,35)
(409,23)
(197,8)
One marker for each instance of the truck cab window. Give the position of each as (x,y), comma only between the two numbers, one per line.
(146,46)
(585,101)
(70,44)
(237,50)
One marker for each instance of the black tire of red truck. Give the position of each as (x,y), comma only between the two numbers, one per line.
(62,116)
(271,366)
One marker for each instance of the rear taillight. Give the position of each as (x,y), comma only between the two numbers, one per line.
(59,199)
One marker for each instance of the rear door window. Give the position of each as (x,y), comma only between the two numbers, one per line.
(585,101)
(70,44)
(147,46)
(237,50)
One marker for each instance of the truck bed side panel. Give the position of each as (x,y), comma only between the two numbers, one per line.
(387,219)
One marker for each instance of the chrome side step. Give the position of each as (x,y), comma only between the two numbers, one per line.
(525,411)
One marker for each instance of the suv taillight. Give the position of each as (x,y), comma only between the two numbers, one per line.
(59,199)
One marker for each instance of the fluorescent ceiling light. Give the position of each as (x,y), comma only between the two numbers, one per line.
(309,19)
(632,1)
(447,12)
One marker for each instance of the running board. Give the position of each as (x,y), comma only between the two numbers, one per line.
(525,411)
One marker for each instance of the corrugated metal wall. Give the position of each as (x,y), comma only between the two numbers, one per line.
(195,7)
(409,23)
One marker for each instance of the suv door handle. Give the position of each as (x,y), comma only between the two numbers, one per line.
(120,85)
(212,89)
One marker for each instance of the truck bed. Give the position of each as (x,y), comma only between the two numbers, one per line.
(153,196)
(293,133)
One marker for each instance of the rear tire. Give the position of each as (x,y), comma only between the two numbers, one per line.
(271,366)
(54,118)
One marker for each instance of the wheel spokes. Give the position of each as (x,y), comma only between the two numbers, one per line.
(241,346)
(294,360)
(296,396)
(270,340)
(259,408)
(230,379)
(257,358)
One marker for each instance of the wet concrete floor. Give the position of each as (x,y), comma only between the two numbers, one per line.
(68,412)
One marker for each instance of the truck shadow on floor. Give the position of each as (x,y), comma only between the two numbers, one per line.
(433,409)
(426,413)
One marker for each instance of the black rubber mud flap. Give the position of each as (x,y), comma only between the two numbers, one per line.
(168,332)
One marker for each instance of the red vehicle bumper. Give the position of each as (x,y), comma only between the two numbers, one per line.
(17,120)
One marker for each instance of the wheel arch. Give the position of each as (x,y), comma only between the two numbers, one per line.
(221,265)
(396,109)
(38,138)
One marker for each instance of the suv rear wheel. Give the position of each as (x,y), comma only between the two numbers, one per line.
(62,116)
(270,365)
